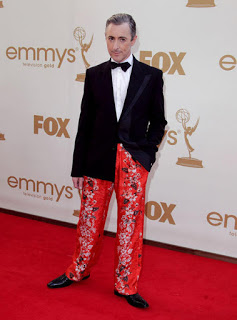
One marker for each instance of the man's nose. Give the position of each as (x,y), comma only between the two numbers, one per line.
(116,45)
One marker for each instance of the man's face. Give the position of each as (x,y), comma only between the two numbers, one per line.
(119,43)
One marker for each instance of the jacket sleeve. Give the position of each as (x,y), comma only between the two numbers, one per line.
(157,117)
(83,132)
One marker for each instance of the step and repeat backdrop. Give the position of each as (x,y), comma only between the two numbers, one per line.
(45,49)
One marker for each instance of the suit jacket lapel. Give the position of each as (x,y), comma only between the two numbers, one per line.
(137,83)
(107,85)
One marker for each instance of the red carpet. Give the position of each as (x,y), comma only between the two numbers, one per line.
(177,286)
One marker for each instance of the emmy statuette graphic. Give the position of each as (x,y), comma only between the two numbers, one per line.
(77,212)
(183,116)
(1,4)
(2,136)
(201,3)
(80,34)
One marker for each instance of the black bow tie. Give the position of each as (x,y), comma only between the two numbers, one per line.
(124,66)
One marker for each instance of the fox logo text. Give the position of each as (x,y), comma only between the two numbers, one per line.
(51,126)
(167,62)
(162,212)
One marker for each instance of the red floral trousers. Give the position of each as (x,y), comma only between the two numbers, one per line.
(129,185)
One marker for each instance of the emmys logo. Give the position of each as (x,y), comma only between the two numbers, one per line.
(215,219)
(228,62)
(1,4)
(170,136)
(183,117)
(166,62)
(51,57)
(2,136)
(200,3)
(51,126)
(80,34)
(41,54)
(40,189)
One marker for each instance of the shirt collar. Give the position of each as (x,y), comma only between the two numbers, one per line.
(129,59)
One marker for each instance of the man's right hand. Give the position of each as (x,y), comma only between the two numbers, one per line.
(78,182)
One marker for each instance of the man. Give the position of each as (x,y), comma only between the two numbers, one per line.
(121,123)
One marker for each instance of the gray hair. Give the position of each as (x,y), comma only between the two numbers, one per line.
(120,18)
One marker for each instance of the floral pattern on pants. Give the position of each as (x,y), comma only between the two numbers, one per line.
(129,185)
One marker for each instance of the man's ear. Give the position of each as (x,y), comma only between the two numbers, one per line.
(134,40)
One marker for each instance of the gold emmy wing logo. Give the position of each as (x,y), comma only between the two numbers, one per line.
(201,3)
(80,34)
(76,212)
(183,116)
(2,136)
(1,4)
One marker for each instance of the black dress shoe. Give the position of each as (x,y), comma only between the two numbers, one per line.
(134,299)
(62,281)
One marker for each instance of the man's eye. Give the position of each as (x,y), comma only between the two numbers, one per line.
(111,38)
(122,39)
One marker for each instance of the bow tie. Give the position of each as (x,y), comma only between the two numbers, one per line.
(124,66)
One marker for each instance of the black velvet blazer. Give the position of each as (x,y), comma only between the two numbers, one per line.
(140,128)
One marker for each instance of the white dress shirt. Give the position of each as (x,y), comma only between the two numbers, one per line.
(120,80)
